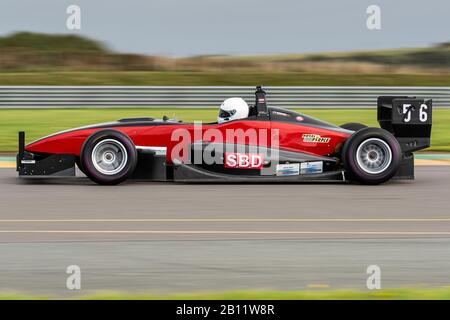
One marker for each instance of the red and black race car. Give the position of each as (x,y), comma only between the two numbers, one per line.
(270,145)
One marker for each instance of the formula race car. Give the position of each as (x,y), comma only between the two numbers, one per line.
(269,145)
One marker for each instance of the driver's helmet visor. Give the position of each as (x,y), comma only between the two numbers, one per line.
(226,114)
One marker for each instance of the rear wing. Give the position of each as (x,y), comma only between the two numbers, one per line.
(408,119)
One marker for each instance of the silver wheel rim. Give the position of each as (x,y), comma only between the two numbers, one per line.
(109,157)
(374,156)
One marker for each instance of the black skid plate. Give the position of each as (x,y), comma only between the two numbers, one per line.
(53,165)
(192,173)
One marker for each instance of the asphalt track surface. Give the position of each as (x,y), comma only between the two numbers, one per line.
(166,237)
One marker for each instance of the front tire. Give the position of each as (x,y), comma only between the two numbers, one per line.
(108,157)
(371,156)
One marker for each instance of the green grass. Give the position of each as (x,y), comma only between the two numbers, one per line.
(40,122)
(51,42)
(442,293)
(40,52)
(433,56)
(225,78)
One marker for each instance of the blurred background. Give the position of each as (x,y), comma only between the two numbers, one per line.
(220,43)
(200,42)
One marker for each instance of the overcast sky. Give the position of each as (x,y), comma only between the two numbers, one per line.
(193,27)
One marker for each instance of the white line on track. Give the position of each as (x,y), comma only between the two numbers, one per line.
(408,233)
(233,220)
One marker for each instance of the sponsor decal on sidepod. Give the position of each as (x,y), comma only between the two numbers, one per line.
(288,169)
(311,167)
(315,138)
(244,160)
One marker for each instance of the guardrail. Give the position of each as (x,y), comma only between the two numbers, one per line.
(206,97)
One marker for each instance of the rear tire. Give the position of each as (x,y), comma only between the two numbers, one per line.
(108,157)
(353,126)
(371,156)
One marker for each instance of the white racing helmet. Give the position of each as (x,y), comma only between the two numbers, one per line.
(233,109)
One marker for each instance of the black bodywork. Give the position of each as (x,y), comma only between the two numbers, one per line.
(412,135)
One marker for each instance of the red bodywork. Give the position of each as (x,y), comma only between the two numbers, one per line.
(162,135)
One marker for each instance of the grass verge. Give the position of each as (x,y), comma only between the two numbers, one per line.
(442,293)
(40,122)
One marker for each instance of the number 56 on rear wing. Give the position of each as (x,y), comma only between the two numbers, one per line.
(409,119)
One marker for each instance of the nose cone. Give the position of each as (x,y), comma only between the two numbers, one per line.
(59,143)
